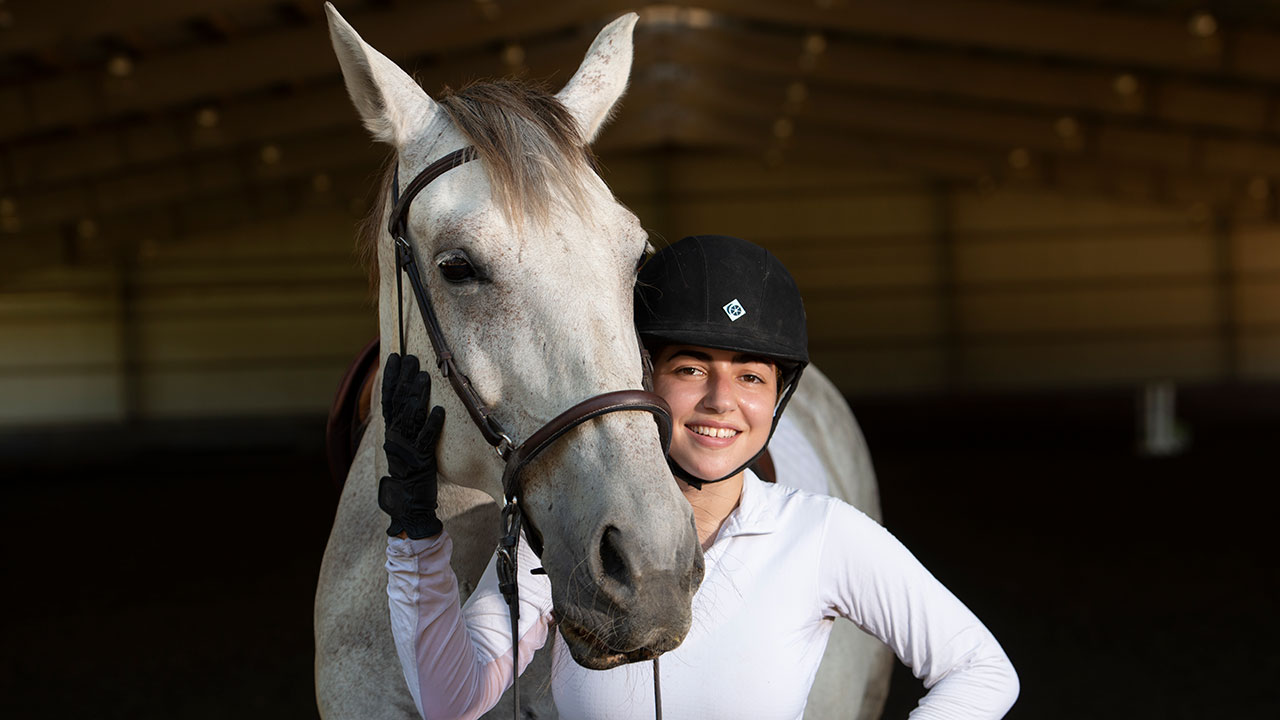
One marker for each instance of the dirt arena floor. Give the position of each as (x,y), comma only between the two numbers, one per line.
(169,571)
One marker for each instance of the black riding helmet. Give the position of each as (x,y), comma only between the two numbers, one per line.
(728,294)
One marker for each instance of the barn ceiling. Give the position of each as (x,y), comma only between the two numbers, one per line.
(141,111)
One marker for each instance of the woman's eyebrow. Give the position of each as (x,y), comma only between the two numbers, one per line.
(695,354)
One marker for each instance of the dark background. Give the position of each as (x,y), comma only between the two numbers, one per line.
(169,571)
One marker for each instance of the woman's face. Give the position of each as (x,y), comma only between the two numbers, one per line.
(721,406)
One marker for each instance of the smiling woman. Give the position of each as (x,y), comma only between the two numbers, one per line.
(725,321)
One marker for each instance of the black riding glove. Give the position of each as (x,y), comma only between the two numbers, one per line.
(408,493)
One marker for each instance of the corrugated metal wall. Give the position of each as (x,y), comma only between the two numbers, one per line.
(260,319)
(910,286)
(923,287)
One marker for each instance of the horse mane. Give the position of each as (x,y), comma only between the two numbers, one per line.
(529,145)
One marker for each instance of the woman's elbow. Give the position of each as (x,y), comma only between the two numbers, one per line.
(1010,686)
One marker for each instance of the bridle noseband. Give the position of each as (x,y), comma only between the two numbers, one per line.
(515,455)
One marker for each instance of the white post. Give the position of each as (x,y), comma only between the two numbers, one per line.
(1159,434)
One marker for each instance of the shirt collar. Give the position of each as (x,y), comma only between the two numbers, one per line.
(754,514)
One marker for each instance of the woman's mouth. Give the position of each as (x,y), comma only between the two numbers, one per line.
(713,432)
(712,436)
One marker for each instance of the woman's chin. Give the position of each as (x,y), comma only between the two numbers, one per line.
(710,473)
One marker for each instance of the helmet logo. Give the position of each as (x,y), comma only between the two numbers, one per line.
(734,310)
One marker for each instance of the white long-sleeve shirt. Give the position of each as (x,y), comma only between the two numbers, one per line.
(785,565)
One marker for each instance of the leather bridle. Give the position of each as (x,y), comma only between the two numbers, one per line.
(515,455)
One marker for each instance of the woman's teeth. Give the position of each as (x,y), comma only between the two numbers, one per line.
(713,432)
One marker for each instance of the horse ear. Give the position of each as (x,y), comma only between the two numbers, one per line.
(602,78)
(393,106)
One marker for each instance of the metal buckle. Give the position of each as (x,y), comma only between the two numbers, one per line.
(505,445)
(508,549)
(404,251)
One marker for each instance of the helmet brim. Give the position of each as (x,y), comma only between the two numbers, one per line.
(717,338)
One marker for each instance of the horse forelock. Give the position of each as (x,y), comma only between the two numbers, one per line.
(529,144)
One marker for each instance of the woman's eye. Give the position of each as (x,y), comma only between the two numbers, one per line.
(456,269)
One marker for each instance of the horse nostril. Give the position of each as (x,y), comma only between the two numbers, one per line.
(611,561)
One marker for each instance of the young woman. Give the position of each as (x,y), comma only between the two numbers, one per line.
(725,325)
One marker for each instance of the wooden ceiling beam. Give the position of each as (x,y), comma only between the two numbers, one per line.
(735,116)
(299,157)
(1247,107)
(39,24)
(176,136)
(972,149)
(1141,41)
(332,152)
(1000,130)
(290,57)
(986,171)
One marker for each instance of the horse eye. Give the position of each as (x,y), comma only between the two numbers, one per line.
(456,269)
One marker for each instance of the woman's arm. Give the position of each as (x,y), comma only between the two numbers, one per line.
(869,577)
(457,661)
(456,664)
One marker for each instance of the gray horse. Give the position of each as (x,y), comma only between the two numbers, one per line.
(539,318)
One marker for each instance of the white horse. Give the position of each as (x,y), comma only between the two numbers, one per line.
(529,261)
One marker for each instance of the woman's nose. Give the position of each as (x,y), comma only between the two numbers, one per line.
(719,395)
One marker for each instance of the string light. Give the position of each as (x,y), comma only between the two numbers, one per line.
(9,215)
(271,154)
(208,117)
(698,18)
(120,66)
(660,15)
(1019,159)
(489,9)
(1125,85)
(783,128)
(513,55)
(1259,188)
(1202,25)
(321,183)
(87,229)
(1068,130)
(665,15)
(815,44)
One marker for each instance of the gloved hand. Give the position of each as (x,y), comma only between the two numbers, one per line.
(408,493)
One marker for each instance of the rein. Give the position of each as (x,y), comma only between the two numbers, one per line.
(515,455)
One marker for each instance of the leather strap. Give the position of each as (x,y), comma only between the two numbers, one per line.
(398,222)
(490,428)
(588,409)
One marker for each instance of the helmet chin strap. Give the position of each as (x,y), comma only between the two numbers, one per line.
(696,482)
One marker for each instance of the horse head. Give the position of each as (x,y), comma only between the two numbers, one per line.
(529,262)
